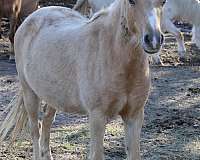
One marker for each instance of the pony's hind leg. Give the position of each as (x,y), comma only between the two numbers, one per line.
(97,122)
(132,127)
(45,134)
(31,103)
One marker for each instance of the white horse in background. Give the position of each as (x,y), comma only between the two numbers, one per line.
(184,10)
(95,5)
(97,67)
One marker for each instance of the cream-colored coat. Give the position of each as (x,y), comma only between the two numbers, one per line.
(95,66)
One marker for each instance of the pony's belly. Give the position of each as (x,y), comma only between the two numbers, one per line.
(64,105)
(67,107)
(61,94)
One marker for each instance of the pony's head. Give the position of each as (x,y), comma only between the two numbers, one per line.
(143,17)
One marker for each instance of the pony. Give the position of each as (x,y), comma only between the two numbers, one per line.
(16,10)
(96,66)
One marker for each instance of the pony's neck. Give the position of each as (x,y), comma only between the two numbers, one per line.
(117,22)
(126,44)
(126,53)
(114,18)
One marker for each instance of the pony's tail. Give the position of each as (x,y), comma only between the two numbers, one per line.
(16,119)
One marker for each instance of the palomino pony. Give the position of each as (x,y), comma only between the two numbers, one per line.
(16,10)
(97,67)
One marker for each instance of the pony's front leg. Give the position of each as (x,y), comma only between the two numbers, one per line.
(132,126)
(97,123)
(45,151)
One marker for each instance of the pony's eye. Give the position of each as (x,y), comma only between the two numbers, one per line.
(132,2)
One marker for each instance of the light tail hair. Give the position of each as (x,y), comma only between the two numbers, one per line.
(16,119)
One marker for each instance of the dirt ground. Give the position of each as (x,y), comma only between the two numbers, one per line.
(171,128)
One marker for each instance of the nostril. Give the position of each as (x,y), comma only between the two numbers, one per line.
(147,39)
(161,39)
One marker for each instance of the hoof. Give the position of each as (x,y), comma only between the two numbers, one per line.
(46,157)
(183,59)
(11,56)
(157,63)
(12,61)
(160,63)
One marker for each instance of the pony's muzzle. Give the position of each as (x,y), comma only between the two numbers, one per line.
(152,42)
